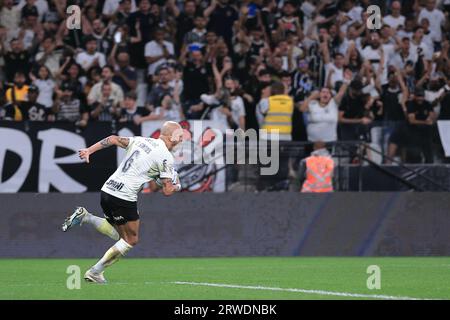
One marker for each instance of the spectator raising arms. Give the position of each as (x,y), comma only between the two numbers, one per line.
(124,74)
(45,84)
(323,112)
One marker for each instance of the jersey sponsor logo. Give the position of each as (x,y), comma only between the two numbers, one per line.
(114,185)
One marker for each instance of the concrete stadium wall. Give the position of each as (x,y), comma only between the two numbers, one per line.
(237,224)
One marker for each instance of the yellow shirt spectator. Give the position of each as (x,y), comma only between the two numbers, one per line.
(21,94)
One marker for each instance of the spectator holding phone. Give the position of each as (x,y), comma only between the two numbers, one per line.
(105,109)
(124,74)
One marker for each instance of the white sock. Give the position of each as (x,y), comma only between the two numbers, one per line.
(101,225)
(118,250)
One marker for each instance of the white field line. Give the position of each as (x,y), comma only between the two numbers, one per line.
(318,292)
(235,286)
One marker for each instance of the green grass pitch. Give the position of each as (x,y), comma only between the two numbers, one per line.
(233,278)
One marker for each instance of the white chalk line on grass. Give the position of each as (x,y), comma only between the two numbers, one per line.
(308,291)
(235,286)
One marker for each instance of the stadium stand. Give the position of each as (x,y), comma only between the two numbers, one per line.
(136,61)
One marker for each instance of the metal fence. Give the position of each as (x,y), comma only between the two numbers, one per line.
(355,170)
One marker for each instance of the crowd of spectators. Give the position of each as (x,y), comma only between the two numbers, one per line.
(143,60)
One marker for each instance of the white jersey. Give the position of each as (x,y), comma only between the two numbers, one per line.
(146,159)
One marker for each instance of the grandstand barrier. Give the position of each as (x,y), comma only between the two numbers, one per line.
(42,157)
(237,224)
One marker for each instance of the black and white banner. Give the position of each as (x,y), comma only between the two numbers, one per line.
(42,157)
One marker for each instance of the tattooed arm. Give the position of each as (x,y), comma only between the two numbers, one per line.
(105,143)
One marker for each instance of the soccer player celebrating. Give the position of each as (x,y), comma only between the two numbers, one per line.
(148,160)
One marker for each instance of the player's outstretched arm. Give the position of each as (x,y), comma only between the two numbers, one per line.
(105,143)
